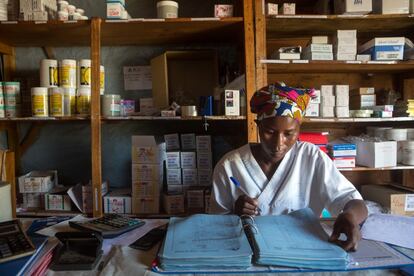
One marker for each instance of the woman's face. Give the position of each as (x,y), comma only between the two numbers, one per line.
(277,135)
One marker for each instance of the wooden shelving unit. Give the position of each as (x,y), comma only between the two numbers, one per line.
(96,33)
(278,31)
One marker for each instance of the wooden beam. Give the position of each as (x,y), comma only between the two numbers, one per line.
(249,46)
(9,62)
(6,49)
(96,117)
(49,52)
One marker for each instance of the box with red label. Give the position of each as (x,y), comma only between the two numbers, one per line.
(118,201)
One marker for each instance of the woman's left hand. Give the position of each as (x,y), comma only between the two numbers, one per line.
(347,224)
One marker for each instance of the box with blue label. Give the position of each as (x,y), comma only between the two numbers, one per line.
(386,48)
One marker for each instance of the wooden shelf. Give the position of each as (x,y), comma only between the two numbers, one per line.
(176,118)
(46,119)
(357,120)
(51,33)
(364,169)
(47,213)
(372,25)
(178,30)
(338,67)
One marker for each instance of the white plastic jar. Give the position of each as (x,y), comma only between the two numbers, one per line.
(111,105)
(67,73)
(49,73)
(84,73)
(102,80)
(40,106)
(56,102)
(167,9)
(83,101)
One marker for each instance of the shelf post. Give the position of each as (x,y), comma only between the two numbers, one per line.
(96,117)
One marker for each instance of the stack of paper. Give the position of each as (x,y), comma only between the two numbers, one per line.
(205,242)
(295,240)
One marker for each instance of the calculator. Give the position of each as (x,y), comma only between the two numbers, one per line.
(14,242)
(108,226)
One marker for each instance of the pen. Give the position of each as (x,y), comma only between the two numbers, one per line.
(237,183)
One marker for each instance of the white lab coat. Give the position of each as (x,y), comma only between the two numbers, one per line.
(306,177)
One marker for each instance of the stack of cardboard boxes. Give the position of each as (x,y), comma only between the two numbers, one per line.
(148,155)
(345,45)
(35,187)
(38,10)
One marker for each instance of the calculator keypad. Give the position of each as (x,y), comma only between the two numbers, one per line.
(13,242)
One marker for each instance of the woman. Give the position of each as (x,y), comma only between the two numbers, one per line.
(280,174)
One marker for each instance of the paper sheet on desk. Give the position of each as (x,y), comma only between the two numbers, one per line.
(391,229)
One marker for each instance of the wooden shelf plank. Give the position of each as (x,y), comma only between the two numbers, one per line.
(179,30)
(388,25)
(176,118)
(45,119)
(357,120)
(51,33)
(46,213)
(364,169)
(338,67)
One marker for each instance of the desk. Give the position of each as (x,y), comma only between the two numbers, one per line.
(128,261)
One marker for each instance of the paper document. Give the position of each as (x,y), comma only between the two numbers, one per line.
(391,229)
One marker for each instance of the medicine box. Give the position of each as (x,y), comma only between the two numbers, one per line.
(147,150)
(118,201)
(386,48)
(232,102)
(172,141)
(188,160)
(37,181)
(353,7)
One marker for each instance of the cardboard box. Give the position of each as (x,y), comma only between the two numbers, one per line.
(195,200)
(118,202)
(391,6)
(386,48)
(204,160)
(362,101)
(146,205)
(147,150)
(146,189)
(317,98)
(319,40)
(326,111)
(205,177)
(342,111)
(186,73)
(114,10)
(173,160)
(377,154)
(353,7)
(147,172)
(57,202)
(327,90)
(33,200)
(288,8)
(188,160)
(203,143)
(344,162)
(341,95)
(363,91)
(188,141)
(223,11)
(87,196)
(174,177)
(173,203)
(328,101)
(172,141)
(37,181)
(341,56)
(207,196)
(146,106)
(271,9)
(363,57)
(174,188)
(399,200)
(317,56)
(190,177)
(312,110)
(320,48)
(232,102)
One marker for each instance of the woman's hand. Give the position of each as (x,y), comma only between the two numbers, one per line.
(346,223)
(245,205)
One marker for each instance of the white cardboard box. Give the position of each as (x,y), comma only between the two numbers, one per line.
(317,99)
(172,141)
(232,103)
(146,189)
(271,9)
(147,172)
(204,160)
(57,202)
(223,10)
(190,177)
(188,141)
(203,143)
(327,90)
(353,7)
(317,56)
(33,200)
(321,48)
(342,111)
(146,205)
(173,160)
(312,110)
(188,160)
(118,202)
(391,6)
(326,111)
(174,177)
(385,48)
(328,101)
(319,40)
(114,10)
(288,8)
(204,177)
(37,181)
(147,150)
(377,154)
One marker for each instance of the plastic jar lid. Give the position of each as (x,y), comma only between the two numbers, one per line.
(167,3)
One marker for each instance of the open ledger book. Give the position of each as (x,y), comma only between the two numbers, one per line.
(220,243)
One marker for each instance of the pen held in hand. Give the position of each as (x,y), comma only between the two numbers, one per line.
(237,183)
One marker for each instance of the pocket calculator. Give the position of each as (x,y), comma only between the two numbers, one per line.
(108,226)
(14,243)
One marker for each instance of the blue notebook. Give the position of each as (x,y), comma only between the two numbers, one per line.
(286,243)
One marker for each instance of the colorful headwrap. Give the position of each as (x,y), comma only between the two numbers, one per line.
(281,100)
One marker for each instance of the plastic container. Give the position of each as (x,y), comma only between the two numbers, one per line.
(84,73)
(56,102)
(63,16)
(102,79)
(40,106)
(83,101)
(77,16)
(69,95)
(167,9)
(63,6)
(11,91)
(67,73)
(408,153)
(49,73)
(80,11)
(111,105)
(2,113)
(188,111)
(396,134)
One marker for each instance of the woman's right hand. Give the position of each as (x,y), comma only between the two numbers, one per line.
(245,205)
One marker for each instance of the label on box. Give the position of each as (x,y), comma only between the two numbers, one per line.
(173,160)
(189,177)
(232,103)
(409,203)
(174,177)
(188,141)
(204,160)
(188,160)
(172,141)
